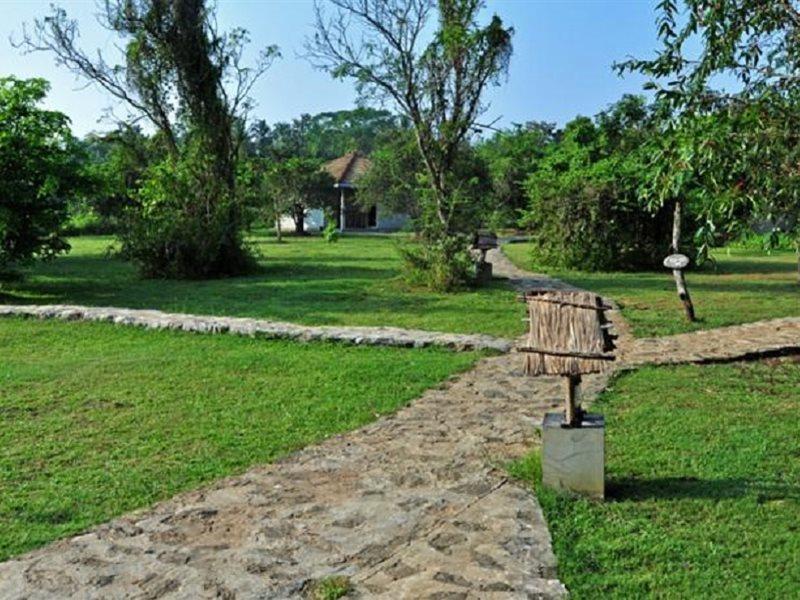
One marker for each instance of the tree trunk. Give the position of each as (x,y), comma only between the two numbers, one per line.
(680,280)
(278,232)
(299,216)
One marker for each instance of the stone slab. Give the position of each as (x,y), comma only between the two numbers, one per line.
(573,458)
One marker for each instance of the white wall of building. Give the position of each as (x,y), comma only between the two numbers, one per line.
(315,220)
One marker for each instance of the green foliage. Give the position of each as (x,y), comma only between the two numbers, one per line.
(586,210)
(443,264)
(701,475)
(768,242)
(394,179)
(294,185)
(398,180)
(325,136)
(330,588)
(187,78)
(740,141)
(330,232)
(185,224)
(511,156)
(40,169)
(117,162)
(438,86)
(124,418)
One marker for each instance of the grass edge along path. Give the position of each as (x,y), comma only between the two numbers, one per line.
(702,477)
(307,281)
(96,420)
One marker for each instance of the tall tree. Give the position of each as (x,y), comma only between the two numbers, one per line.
(40,169)
(438,86)
(188,79)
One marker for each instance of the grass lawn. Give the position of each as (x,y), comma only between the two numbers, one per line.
(703,483)
(305,280)
(744,286)
(97,420)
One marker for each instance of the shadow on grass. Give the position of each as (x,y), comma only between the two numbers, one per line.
(677,488)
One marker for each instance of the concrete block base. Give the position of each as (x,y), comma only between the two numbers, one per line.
(573,458)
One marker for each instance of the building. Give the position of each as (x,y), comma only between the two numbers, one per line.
(350,216)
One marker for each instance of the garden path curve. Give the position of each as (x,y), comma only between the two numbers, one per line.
(737,342)
(415,505)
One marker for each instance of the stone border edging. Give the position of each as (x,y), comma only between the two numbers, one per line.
(156,319)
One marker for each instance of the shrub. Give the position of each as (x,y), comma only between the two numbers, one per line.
(330,233)
(444,264)
(586,210)
(594,225)
(186,224)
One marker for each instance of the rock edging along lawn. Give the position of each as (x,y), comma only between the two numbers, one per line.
(156,319)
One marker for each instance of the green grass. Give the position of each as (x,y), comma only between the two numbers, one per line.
(703,484)
(305,280)
(97,420)
(745,285)
(330,588)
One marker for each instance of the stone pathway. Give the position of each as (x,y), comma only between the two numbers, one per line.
(156,319)
(739,342)
(416,505)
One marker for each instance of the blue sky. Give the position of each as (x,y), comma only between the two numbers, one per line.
(563,52)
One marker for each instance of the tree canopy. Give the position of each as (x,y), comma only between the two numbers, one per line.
(40,168)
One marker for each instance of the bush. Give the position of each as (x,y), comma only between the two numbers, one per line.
(586,210)
(443,265)
(187,224)
(767,241)
(595,226)
(330,233)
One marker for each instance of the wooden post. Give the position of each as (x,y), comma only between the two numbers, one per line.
(572,417)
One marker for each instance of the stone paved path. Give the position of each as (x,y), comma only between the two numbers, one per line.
(156,319)
(416,505)
(738,342)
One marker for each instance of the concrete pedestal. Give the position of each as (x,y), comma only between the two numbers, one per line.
(573,458)
(483,272)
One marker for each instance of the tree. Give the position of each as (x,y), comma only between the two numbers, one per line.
(293,186)
(40,169)
(512,155)
(189,81)
(326,135)
(395,178)
(116,164)
(754,43)
(439,88)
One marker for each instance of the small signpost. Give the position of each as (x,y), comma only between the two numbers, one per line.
(570,336)
(483,242)
(677,263)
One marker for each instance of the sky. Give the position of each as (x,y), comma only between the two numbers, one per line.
(561,67)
